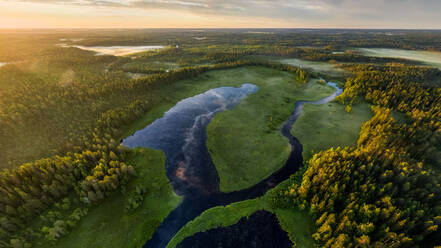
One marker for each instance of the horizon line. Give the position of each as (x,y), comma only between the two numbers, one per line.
(214,28)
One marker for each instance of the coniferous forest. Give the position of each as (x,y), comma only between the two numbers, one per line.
(65,111)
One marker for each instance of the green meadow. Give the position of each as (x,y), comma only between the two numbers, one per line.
(323,126)
(246,144)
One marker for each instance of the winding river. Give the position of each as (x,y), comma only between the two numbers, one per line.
(181,135)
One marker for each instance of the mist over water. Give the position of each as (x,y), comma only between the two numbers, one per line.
(428,57)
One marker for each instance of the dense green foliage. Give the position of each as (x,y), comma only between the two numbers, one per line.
(384,192)
(109,224)
(63,91)
(63,110)
(98,106)
(32,188)
(374,195)
(406,89)
(93,171)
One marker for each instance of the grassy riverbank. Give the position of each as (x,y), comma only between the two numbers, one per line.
(169,95)
(110,225)
(251,128)
(245,143)
(321,127)
(295,222)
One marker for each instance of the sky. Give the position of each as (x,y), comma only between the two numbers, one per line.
(407,14)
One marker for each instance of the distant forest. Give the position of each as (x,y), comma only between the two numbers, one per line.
(63,112)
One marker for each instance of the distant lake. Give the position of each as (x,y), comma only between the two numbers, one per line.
(427,57)
(115,50)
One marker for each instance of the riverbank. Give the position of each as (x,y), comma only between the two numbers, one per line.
(167,96)
(259,230)
(279,81)
(323,126)
(110,225)
(245,143)
(298,224)
(110,218)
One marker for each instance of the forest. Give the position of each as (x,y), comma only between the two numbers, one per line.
(64,112)
(93,165)
(385,191)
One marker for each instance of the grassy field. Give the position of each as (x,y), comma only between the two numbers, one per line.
(245,143)
(320,127)
(296,223)
(110,225)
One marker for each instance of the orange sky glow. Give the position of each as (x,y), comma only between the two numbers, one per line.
(215,14)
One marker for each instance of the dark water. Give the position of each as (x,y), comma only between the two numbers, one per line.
(181,134)
(259,230)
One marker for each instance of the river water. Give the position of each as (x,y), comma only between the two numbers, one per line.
(259,230)
(181,135)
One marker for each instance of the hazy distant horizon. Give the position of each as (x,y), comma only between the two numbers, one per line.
(320,14)
(224,28)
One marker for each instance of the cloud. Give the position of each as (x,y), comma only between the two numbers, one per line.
(213,5)
(316,12)
(278,9)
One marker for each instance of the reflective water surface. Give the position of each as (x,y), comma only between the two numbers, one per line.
(181,134)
